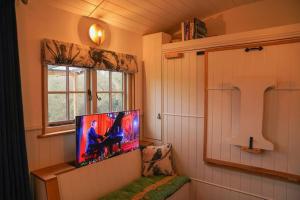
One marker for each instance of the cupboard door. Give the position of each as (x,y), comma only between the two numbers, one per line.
(152,85)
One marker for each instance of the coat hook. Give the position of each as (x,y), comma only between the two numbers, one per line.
(251,143)
(25,2)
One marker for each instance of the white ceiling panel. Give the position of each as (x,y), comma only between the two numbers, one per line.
(146,16)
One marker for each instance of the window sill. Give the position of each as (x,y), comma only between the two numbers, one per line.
(57,133)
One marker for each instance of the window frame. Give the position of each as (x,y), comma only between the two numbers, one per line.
(110,91)
(65,127)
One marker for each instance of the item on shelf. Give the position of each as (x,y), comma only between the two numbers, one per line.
(193,29)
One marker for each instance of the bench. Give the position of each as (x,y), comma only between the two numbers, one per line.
(103,178)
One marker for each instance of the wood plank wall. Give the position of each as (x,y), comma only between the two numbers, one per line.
(183,122)
(282,105)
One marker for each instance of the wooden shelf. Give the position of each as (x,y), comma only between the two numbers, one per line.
(254,150)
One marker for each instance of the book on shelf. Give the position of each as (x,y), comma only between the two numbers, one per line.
(193,29)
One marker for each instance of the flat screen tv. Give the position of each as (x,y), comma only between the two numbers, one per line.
(101,136)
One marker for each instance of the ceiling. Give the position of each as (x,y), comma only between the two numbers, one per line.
(146,16)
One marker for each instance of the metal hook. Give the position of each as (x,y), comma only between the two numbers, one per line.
(25,2)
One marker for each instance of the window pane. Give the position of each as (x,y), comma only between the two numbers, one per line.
(102,80)
(117,102)
(117,81)
(77,104)
(57,109)
(77,79)
(103,102)
(56,78)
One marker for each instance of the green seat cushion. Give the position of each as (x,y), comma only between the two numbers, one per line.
(149,188)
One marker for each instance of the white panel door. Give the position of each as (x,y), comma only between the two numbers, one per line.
(152,85)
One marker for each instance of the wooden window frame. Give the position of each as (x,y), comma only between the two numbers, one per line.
(67,127)
(110,91)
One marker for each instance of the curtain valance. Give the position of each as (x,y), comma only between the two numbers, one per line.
(61,53)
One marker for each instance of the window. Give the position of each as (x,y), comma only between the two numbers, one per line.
(110,91)
(72,91)
(67,94)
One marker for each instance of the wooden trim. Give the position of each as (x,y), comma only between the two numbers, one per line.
(255,44)
(58,133)
(44,73)
(268,34)
(133,92)
(256,170)
(129,91)
(52,189)
(205,105)
(251,169)
(50,172)
(173,55)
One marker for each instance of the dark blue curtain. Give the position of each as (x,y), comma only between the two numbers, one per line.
(14,175)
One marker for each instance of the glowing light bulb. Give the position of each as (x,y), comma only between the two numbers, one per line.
(96,34)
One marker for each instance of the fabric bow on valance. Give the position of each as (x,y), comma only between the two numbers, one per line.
(61,53)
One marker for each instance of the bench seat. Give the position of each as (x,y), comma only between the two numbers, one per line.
(152,188)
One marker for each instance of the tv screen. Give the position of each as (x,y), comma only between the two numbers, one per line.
(101,136)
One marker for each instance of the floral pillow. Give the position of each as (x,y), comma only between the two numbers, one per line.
(157,160)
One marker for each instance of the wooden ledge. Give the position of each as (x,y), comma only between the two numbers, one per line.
(254,150)
(48,173)
(58,133)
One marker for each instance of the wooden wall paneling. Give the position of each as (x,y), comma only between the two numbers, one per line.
(293,63)
(171,101)
(293,191)
(283,68)
(200,116)
(207,119)
(177,110)
(150,78)
(233,179)
(185,110)
(32,149)
(57,145)
(280,190)
(192,112)
(45,152)
(294,133)
(165,98)
(268,187)
(192,119)
(269,129)
(283,109)
(247,64)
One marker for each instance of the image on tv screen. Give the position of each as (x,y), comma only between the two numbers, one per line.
(101,136)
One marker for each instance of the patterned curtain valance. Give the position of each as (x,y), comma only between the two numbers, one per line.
(61,53)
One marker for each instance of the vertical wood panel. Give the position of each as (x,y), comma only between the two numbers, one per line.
(294,133)
(188,144)
(185,110)
(177,110)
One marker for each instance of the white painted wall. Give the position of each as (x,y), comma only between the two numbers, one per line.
(35,22)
